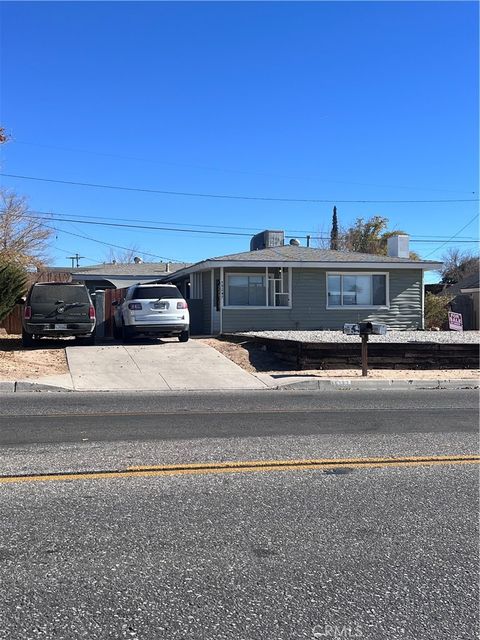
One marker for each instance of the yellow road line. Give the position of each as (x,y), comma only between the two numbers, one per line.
(321,464)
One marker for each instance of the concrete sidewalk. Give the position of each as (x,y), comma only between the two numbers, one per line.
(165,366)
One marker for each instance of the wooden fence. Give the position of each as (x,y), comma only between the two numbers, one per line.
(110,296)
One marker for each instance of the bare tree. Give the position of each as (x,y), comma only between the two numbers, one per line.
(23,238)
(116,256)
(322,238)
(457,264)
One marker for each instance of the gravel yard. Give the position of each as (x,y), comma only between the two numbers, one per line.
(457,337)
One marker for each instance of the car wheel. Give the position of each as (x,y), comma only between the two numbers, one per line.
(27,339)
(184,336)
(117,334)
(90,341)
(126,334)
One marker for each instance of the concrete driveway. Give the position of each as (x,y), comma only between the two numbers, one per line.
(164,366)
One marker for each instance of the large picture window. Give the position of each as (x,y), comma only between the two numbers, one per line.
(268,289)
(356,290)
(246,291)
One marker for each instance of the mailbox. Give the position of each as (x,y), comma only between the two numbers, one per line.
(372,328)
(379,329)
(351,329)
(365,329)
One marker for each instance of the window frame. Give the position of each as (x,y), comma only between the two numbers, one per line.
(349,307)
(264,274)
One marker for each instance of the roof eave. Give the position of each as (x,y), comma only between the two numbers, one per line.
(215,264)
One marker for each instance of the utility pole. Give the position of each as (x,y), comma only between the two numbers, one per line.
(75,260)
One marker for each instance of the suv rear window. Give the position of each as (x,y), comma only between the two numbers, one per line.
(155,293)
(49,294)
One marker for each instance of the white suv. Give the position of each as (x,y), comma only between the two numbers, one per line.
(154,310)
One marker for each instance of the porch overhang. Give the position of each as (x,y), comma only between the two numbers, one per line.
(299,264)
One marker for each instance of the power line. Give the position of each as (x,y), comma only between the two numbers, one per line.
(109,244)
(229,196)
(56,248)
(208,233)
(454,236)
(211,226)
(238,171)
(119,225)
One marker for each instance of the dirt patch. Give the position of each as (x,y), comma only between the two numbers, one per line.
(18,363)
(248,355)
(254,359)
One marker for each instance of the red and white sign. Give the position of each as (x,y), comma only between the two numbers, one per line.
(455,321)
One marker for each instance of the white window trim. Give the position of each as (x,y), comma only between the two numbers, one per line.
(265,275)
(341,307)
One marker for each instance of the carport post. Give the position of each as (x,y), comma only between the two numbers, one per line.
(100,313)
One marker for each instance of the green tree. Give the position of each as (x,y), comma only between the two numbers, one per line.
(436,310)
(365,236)
(13,285)
(370,236)
(334,231)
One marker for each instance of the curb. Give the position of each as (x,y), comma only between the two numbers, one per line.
(35,386)
(378,385)
(20,387)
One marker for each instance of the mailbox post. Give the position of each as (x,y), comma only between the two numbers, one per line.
(364,354)
(365,329)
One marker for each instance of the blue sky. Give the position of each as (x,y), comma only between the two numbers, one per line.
(335,101)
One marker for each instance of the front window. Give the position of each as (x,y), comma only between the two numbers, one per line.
(246,291)
(357,290)
(268,289)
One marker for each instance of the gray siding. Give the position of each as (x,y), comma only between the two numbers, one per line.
(309,305)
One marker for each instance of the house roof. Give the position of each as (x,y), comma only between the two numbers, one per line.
(292,255)
(465,284)
(125,275)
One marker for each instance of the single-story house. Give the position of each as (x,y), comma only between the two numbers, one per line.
(278,286)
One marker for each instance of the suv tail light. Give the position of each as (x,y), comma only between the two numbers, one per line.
(135,306)
(182,305)
(27,313)
(91,312)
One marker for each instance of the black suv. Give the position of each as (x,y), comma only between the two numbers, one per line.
(57,309)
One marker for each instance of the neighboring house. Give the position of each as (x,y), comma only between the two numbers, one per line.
(119,276)
(294,287)
(465,296)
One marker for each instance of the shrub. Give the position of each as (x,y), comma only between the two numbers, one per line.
(436,310)
(13,285)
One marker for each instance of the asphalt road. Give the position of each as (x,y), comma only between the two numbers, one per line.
(385,552)
(56,418)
